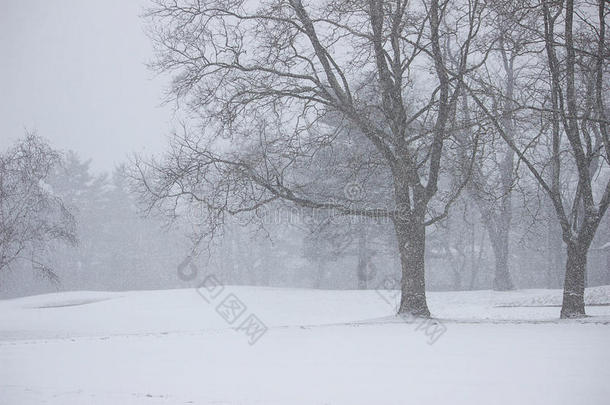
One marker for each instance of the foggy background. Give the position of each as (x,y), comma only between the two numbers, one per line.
(77,76)
(75,72)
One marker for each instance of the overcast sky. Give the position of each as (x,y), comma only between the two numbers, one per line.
(74,71)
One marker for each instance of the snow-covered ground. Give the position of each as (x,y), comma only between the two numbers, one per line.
(320,347)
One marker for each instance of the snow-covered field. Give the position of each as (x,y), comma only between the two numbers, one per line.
(320,347)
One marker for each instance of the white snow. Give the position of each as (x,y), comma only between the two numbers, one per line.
(321,347)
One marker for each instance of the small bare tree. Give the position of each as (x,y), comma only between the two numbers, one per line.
(31,216)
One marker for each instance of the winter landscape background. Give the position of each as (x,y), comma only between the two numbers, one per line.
(321,202)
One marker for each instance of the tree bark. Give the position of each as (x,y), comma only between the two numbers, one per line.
(573,305)
(411,236)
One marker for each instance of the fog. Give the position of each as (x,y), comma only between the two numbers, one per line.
(75,72)
(366,188)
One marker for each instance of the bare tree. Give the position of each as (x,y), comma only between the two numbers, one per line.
(502,77)
(566,107)
(31,216)
(266,75)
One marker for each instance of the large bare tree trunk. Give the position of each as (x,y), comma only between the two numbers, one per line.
(574,285)
(411,235)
